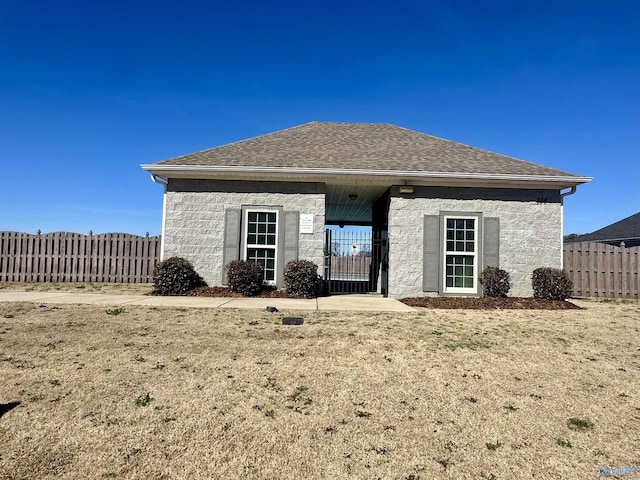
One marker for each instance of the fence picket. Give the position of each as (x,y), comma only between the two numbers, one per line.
(28,258)
(11,261)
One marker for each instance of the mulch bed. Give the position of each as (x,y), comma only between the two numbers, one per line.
(452,303)
(489,303)
(225,292)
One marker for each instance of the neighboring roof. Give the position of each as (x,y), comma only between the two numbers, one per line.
(358,149)
(626,230)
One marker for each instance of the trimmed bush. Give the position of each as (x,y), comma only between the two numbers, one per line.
(301,278)
(245,277)
(495,282)
(175,276)
(551,283)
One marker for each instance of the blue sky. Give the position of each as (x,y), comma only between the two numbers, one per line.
(91,90)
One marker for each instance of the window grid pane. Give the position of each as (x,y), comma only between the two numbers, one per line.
(263,223)
(266,258)
(460,271)
(463,232)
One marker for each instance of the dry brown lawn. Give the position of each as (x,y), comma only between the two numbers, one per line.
(175,393)
(107,288)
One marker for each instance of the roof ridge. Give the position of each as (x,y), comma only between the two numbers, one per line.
(237,142)
(349,123)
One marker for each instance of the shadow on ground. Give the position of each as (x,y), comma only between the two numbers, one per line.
(7,407)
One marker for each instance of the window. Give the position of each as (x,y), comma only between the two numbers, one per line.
(261,241)
(460,254)
(456,247)
(264,234)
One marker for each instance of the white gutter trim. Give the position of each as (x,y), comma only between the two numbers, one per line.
(566,194)
(164,182)
(409,174)
(159,180)
(562,195)
(164,222)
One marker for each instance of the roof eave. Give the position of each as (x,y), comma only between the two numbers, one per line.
(373,177)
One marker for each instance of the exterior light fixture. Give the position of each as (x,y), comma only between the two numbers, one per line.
(353,196)
(406,188)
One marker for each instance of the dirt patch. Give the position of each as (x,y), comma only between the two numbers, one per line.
(489,303)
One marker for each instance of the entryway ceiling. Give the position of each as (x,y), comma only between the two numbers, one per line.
(341,209)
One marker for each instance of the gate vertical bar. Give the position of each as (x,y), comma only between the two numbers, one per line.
(327,258)
(384,263)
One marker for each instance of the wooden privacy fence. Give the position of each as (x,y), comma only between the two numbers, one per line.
(350,265)
(601,270)
(73,257)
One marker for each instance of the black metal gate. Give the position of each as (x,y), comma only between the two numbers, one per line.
(355,261)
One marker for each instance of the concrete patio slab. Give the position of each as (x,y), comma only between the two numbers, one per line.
(194,302)
(370,303)
(334,303)
(94,298)
(279,303)
(14,296)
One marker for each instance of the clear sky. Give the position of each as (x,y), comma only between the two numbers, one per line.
(89,90)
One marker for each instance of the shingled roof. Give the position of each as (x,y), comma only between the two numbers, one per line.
(352,147)
(626,230)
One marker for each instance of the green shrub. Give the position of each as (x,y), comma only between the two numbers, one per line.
(175,276)
(245,277)
(551,283)
(301,278)
(495,282)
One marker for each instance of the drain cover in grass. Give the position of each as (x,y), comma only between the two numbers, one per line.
(292,321)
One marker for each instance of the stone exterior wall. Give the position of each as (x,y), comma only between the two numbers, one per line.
(195,218)
(530,231)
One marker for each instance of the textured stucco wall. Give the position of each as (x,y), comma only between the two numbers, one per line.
(195,218)
(530,231)
(530,225)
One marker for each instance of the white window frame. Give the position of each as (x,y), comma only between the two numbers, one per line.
(246,245)
(475,255)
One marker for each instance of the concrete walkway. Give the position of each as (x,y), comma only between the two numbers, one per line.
(370,303)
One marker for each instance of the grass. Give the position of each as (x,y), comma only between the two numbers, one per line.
(198,393)
(143,400)
(107,288)
(564,443)
(579,424)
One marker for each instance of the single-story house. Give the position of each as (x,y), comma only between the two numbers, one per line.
(625,232)
(444,210)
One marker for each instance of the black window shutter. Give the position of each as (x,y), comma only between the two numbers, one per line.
(431,261)
(231,249)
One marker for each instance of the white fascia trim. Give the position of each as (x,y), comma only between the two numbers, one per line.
(314,174)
